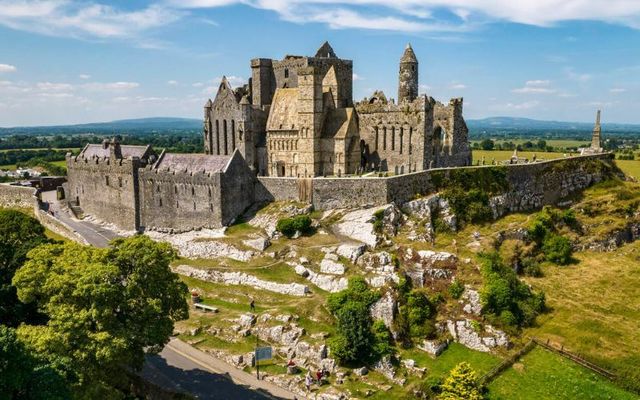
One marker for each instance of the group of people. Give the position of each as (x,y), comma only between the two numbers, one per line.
(319,377)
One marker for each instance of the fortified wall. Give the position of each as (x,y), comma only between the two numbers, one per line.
(530,186)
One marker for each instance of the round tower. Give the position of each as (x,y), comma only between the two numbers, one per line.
(408,76)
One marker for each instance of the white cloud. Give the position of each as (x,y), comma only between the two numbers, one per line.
(54,87)
(115,86)
(172,82)
(617,90)
(527,105)
(7,68)
(418,15)
(357,77)
(84,76)
(82,19)
(537,86)
(197,84)
(458,86)
(577,76)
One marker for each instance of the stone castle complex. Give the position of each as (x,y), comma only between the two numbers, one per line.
(296,117)
(292,133)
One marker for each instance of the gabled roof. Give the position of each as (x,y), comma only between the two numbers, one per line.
(340,122)
(192,163)
(100,151)
(326,51)
(283,114)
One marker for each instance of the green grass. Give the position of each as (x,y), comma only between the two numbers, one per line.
(504,155)
(630,167)
(558,143)
(542,374)
(455,354)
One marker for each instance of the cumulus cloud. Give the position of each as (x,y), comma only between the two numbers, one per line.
(172,82)
(7,68)
(82,19)
(457,86)
(111,86)
(537,86)
(84,76)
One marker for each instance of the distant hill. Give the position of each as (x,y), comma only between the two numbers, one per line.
(512,125)
(477,127)
(140,125)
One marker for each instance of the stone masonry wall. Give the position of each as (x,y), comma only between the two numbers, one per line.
(105,189)
(17,196)
(531,185)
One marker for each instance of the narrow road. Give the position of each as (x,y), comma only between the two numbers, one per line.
(94,234)
(183,368)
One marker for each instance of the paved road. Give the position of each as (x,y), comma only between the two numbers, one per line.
(180,367)
(94,234)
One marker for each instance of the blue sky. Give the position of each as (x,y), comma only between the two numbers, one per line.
(64,61)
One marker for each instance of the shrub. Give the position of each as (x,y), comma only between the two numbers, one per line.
(355,340)
(461,384)
(530,267)
(289,226)
(378,216)
(557,249)
(456,289)
(382,339)
(504,297)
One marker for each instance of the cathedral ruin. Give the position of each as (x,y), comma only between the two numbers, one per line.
(296,118)
(292,133)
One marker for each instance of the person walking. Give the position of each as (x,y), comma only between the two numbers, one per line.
(308,380)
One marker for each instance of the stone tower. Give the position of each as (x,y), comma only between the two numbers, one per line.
(408,76)
(597,130)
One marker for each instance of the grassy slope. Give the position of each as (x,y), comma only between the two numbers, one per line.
(542,374)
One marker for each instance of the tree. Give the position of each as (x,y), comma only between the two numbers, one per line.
(105,307)
(557,249)
(23,376)
(461,384)
(487,144)
(354,340)
(19,233)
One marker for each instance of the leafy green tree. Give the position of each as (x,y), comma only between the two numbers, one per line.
(505,297)
(461,384)
(557,249)
(23,376)
(487,144)
(354,339)
(105,307)
(19,233)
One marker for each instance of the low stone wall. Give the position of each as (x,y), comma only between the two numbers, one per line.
(17,196)
(530,185)
(276,189)
(59,227)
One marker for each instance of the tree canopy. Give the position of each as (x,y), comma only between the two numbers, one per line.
(19,233)
(105,307)
(461,384)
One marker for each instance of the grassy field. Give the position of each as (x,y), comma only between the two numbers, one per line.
(73,149)
(542,374)
(595,308)
(630,167)
(559,143)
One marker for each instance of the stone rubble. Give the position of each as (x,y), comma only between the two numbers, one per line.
(433,347)
(259,244)
(329,283)
(358,224)
(472,297)
(202,244)
(240,278)
(384,309)
(351,251)
(463,332)
(329,265)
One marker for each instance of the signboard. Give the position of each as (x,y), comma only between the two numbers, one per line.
(263,353)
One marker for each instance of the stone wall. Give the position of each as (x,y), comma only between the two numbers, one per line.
(276,189)
(530,185)
(59,227)
(105,189)
(17,196)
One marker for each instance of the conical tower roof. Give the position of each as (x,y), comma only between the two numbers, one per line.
(408,56)
(326,51)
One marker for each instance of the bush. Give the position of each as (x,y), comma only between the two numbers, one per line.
(461,384)
(356,341)
(557,249)
(504,297)
(289,226)
(531,267)
(382,339)
(456,289)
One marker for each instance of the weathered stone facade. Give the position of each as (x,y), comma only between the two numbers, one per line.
(296,118)
(135,189)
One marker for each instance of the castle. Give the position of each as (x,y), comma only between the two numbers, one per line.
(296,117)
(293,124)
